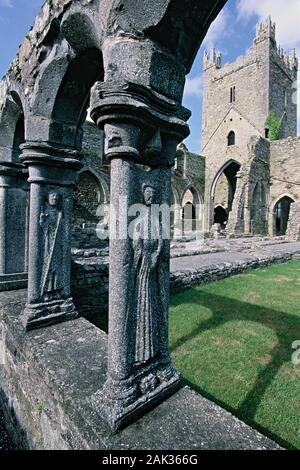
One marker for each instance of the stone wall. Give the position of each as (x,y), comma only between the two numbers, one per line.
(90,290)
(270,76)
(282,93)
(185,280)
(90,281)
(285,168)
(293,229)
(221,193)
(47,381)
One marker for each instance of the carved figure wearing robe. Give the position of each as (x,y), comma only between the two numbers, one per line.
(147,247)
(51,223)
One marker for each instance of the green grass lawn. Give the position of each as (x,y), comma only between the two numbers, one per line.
(232,341)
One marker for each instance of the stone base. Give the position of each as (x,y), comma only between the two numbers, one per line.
(48,313)
(121,403)
(48,379)
(13,281)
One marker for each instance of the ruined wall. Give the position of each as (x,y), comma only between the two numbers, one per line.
(293,228)
(270,76)
(250,206)
(221,193)
(285,172)
(282,92)
(251,101)
(92,189)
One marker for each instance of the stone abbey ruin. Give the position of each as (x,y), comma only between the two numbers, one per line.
(126,61)
(242,180)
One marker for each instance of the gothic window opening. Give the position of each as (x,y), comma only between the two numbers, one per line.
(231,138)
(232,94)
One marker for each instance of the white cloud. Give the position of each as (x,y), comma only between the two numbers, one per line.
(6,3)
(286,14)
(218,30)
(194,86)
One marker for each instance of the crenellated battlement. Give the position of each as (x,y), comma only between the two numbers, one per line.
(265,30)
(212,59)
(257,83)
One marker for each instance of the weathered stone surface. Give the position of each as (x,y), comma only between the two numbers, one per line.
(52,174)
(140,373)
(293,229)
(263,81)
(52,402)
(189,267)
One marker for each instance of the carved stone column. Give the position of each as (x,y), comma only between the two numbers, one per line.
(13,224)
(142,128)
(52,175)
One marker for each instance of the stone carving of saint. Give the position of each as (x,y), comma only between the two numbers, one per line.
(51,222)
(147,250)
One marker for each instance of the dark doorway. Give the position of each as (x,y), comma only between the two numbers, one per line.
(220,216)
(281,214)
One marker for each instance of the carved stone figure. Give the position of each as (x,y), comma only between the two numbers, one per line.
(51,222)
(147,248)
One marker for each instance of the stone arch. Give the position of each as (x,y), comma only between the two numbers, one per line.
(191,208)
(147,53)
(12,127)
(89,193)
(230,170)
(69,63)
(258,208)
(14,189)
(280,213)
(70,108)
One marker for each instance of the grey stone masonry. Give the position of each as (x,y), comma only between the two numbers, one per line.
(293,229)
(14,205)
(52,172)
(50,405)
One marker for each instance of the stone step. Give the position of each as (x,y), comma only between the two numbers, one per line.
(13,281)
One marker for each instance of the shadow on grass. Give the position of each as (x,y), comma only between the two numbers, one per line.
(223,309)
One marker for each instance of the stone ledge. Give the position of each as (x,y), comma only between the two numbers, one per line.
(49,375)
(13,281)
(185,279)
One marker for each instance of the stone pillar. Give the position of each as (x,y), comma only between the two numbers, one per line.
(52,175)
(142,128)
(13,223)
(178,221)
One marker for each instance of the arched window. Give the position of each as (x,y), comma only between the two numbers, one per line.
(231,138)
(232,94)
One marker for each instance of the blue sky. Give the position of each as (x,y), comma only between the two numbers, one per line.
(232,33)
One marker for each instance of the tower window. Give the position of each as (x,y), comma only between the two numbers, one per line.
(232,94)
(231,138)
(285,99)
(267,132)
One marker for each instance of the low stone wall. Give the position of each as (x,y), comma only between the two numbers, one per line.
(47,380)
(85,238)
(90,281)
(90,290)
(184,280)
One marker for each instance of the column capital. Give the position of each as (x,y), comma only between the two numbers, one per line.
(12,169)
(50,164)
(139,122)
